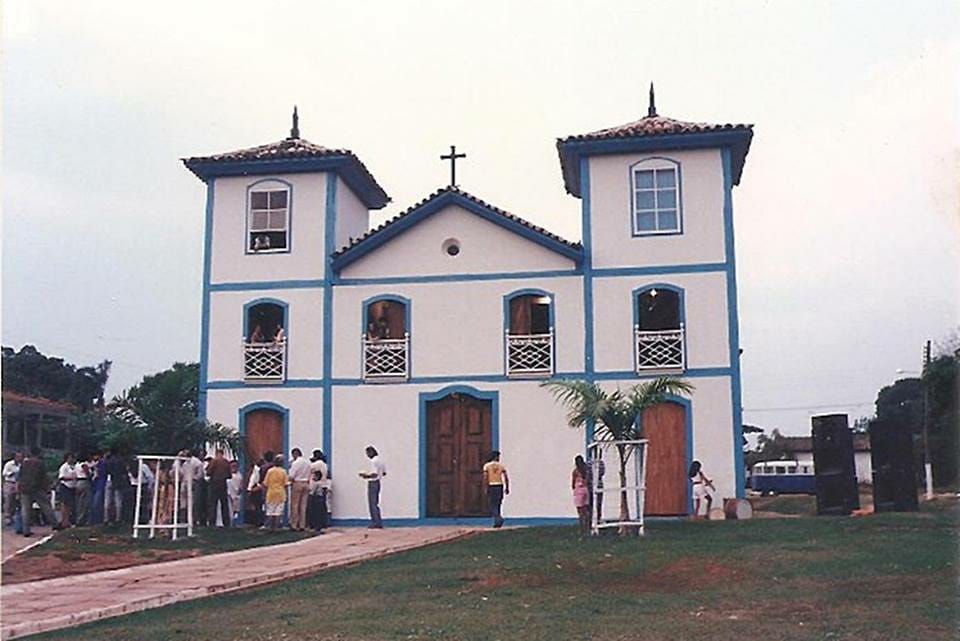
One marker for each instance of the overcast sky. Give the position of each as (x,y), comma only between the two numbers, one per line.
(847,217)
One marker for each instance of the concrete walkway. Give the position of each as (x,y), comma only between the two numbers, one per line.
(40,606)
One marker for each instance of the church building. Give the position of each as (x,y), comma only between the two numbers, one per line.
(429,336)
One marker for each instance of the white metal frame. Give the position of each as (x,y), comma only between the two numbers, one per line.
(660,349)
(529,354)
(636,482)
(152,525)
(386,359)
(265,362)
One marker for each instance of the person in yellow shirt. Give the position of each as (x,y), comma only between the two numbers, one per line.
(275,482)
(498,484)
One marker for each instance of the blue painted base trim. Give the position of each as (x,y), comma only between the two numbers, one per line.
(470,521)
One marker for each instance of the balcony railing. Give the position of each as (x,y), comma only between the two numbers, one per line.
(264,361)
(529,354)
(386,359)
(662,349)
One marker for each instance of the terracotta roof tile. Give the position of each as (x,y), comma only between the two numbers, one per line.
(287,148)
(455,190)
(357,176)
(654,126)
(24,401)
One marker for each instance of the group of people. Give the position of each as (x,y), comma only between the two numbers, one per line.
(305,482)
(102,489)
(89,489)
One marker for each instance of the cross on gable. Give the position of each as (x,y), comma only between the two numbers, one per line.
(452,157)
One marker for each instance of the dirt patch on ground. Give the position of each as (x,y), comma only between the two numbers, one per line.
(23,568)
(688,574)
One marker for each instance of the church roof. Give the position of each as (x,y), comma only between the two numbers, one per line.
(292,155)
(437,201)
(653,132)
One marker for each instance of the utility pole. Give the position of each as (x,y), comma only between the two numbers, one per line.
(927,467)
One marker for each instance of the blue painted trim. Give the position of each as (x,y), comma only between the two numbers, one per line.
(286,330)
(316,383)
(438,203)
(347,166)
(457,278)
(587,267)
(265,301)
(633,202)
(659,270)
(733,325)
(396,298)
(329,242)
(529,291)
(572,152)
(635,297)
(246,234)
(205,304)
(242,427)
(426,397)
(254,286)
(600,272)
(528,521)
(407,322)
(687,405)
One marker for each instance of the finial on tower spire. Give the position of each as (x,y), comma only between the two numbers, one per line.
(295,129)
(652,109)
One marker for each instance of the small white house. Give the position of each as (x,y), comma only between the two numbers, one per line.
(429,336)
(801,447)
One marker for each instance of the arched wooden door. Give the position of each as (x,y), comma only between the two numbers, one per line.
(264,432)
(665,428)
(459,436)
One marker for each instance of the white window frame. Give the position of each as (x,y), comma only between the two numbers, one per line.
(268,187)
(655,165)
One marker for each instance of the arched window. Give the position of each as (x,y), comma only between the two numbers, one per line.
(529,330)
(386,338)
(658,309)
(655,197)
(265,340)
(658,328)
(268,216)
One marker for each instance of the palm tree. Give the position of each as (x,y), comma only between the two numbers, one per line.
(615,414)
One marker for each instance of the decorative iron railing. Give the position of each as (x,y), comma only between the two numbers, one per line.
(529,354)
(662,349)
(264,361)
(386,358)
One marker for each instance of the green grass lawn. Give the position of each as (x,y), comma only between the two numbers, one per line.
(890,576)
(118,540)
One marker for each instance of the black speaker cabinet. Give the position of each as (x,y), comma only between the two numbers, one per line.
(891,454)
(836,476)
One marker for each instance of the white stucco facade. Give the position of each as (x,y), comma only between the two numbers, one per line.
(457,318)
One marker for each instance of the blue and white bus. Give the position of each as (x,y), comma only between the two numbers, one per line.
(782,477)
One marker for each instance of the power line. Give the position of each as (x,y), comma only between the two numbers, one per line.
(805,407)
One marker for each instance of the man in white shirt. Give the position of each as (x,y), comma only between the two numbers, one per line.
(317,507)
(10,471)
(377,471)
(84,478)
(299,474)
(67,491)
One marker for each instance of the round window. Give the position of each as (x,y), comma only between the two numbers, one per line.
(451,247)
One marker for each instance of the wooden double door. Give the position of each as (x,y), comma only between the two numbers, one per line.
(459,438)
(263,430)
(665,428)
